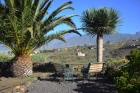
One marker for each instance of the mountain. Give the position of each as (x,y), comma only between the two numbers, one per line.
(138,33)
(76,40)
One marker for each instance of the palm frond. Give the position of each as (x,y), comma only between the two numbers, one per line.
(51,37)
(47,39)
(62,20)
(42,11)
(69,31)
(57,11)
(42,5)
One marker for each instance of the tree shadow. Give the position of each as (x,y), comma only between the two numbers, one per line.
(59,79)
(6,74)
(96,86)
(5,69)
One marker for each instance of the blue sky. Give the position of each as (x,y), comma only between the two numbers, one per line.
(129,12)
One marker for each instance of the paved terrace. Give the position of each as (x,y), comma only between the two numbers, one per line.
(48,85)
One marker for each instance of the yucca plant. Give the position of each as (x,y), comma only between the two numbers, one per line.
(25,26)
(102,21)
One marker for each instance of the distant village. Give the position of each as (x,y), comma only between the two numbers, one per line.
(79,52)
(132,46)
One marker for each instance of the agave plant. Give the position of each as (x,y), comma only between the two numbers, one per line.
(102,21)
(25,26)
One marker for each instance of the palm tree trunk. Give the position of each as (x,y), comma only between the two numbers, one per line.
(99,48)
(22,66)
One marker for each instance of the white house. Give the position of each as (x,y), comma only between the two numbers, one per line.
(80,54)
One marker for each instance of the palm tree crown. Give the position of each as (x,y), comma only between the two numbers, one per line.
(25,24)
(100,21)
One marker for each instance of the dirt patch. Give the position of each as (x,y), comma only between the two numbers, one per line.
(7,84)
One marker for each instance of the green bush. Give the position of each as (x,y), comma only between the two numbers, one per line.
(112,65)
(4,57)
(39,58)
(127,79)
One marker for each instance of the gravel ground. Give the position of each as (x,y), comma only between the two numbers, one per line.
(78,86)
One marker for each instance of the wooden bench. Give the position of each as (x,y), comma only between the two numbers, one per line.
(95,68)
(61,70)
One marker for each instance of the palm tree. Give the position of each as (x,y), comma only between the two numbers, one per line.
(102,21)
(25,25)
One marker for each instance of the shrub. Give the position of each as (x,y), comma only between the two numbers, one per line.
(39,58)
(4,57)
(112,65)
(127,79)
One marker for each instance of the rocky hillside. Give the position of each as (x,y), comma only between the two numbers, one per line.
(75,40)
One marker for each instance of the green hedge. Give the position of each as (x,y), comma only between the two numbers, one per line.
(127,79)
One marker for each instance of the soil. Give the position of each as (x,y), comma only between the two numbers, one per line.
(7,84)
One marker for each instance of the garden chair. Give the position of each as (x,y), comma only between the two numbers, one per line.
(63,71)
(93,68)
